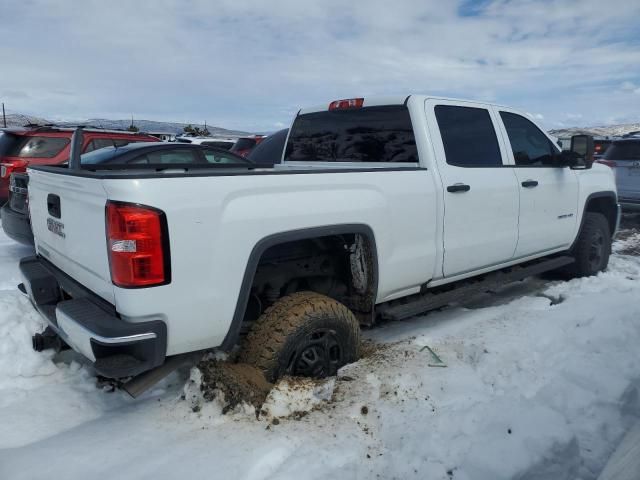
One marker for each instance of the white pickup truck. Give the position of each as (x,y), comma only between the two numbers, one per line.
(382,208)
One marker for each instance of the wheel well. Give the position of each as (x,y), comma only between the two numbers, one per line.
(606,205)
(341,266)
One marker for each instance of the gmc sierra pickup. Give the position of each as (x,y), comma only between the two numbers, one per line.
(382,208)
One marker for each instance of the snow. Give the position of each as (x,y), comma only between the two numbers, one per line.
(541,381)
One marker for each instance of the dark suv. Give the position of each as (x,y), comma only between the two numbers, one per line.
(50,145)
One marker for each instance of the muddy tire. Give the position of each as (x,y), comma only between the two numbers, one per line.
(303,334)
(593,247)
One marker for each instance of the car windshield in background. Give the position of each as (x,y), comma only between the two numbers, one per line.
(31,146)
(269,151)
(623,150)
(222,157)
(98,156)
(243,144)
(164,155)
(218,144)
(370,134)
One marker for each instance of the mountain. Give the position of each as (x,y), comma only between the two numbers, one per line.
(602,131)
(19,120)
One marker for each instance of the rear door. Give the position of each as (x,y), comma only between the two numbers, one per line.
(480,192)
(548,193)
(68,222)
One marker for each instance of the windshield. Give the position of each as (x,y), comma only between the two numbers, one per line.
(370,134)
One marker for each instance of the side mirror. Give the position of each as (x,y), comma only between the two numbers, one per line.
(582,150)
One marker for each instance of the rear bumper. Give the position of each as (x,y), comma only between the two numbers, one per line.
(16,225)
(90,325)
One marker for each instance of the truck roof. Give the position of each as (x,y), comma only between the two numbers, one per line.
(379,100)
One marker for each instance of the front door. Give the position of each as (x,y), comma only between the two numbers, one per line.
(548,193)
(480,192)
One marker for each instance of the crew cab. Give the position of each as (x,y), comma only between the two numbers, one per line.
(49,145)
(381,208)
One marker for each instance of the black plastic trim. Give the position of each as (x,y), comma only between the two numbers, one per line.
(45,285)
(605,194)
(283,237)
(16,225)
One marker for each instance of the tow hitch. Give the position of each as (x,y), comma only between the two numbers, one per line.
(48,340)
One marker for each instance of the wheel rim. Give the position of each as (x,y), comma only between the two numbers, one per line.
(319,355)
(596,250)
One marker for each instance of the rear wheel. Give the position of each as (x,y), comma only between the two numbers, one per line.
(303,334)
(593,247)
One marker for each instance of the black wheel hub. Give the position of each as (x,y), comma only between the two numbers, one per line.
(319,355)
(596,250)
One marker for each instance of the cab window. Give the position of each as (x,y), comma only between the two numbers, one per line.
(468,136)
(530,146)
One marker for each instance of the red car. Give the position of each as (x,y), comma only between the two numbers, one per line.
(48,145)
(244,145)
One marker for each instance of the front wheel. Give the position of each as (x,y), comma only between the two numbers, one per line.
(303,334)
(593,247)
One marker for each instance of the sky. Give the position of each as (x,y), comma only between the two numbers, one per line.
(250,64)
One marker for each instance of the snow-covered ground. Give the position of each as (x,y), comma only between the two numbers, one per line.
(541,382)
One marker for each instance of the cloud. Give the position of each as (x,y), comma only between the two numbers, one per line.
(251,64)
(629,87)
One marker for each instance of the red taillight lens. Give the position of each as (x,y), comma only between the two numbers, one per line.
(346,104)
(608,163)
(7,168)
(138,245)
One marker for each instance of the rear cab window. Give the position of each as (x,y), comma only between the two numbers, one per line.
(377,134)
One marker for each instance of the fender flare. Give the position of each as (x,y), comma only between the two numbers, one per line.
(604,194)
(284,237)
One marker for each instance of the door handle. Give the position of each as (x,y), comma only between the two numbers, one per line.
(530,183)
(53,205)
(458,187)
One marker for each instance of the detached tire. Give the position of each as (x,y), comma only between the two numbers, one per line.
(593,247)
(303,334)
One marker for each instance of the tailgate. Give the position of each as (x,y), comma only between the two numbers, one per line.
(68,221)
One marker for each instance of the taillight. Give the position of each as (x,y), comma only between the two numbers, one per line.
(7,168)
(608,163)
(138,245)
(346,104)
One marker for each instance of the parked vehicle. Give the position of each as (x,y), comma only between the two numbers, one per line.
(382,208)
(15,213)
(244,145)
(218,142)
(600,145)
(269,150)
(623,156)
(49,145)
